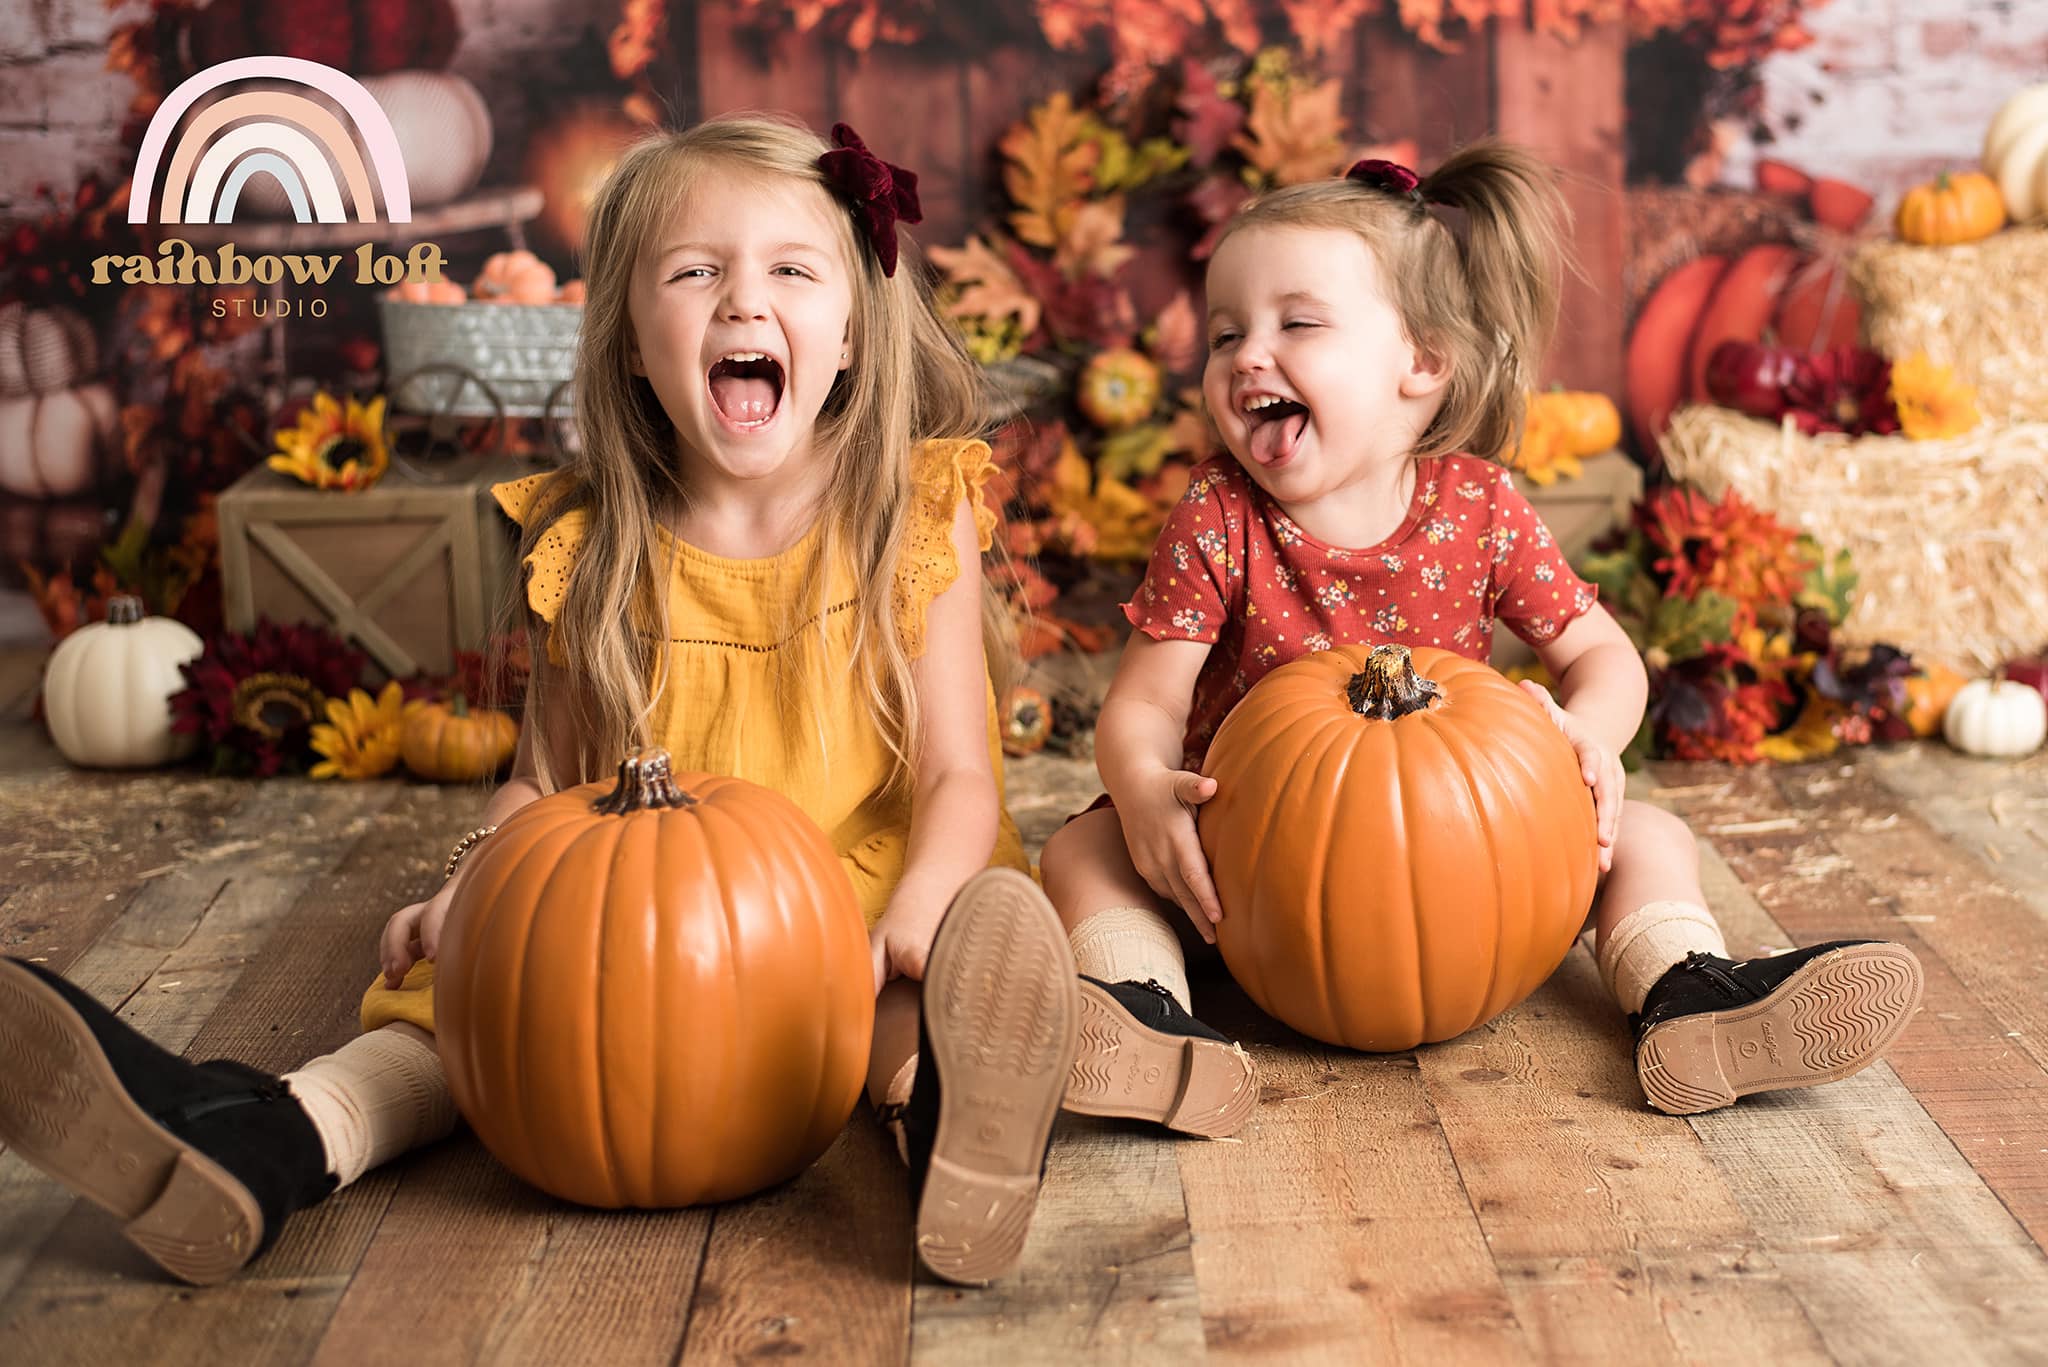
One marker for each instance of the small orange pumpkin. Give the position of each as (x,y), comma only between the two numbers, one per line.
(515,278)
(655,991)
(1956,206)
(449,743)
(1119,388)
(429,292)
(1928,695)
(1401,841)
(1589,420)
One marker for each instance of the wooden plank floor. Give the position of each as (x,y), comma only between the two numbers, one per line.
(1505,1197)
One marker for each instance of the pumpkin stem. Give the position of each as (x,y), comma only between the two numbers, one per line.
(123,609)
(644,783)
(458,706)
(1388,687)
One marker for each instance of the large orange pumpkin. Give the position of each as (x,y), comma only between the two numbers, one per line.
(656,991)
(1402,845)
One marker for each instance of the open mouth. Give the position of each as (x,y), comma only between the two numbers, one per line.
(1275,425)
(746,388)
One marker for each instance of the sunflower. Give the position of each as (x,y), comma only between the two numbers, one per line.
(360,737)
(253,699)
(334,447)
(1932,401)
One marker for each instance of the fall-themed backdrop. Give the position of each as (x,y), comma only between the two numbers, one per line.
(1075,155)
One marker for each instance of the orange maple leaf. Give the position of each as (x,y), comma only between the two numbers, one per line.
(988,287)
(1093,243)
(1050,160)
(1294,135)
(1322,24)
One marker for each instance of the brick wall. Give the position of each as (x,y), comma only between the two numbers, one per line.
(1893,91)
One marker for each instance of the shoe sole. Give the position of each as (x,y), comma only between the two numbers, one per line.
(1832,1017)
(1001,1017)
(1124,1068)
(63,1108)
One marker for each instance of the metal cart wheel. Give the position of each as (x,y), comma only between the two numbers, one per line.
(558,420)
(436,401)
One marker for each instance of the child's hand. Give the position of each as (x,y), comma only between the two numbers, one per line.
(1166,849)
(1601,770)
(902,940)
(413,933)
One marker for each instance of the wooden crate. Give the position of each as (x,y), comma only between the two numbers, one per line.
(410,571)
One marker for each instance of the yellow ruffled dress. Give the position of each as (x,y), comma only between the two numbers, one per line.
(718,713)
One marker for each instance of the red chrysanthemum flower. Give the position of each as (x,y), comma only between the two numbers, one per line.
(1730,547)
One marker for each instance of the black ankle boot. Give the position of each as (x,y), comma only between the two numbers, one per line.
(996,1031)
(1712,1029)
(1143,1057)
(201,1162)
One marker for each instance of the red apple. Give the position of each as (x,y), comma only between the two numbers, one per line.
(1751,377)
(2030,670)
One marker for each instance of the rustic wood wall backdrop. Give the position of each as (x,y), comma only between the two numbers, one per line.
(942,112)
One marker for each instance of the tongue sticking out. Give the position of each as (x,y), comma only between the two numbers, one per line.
(746,391)
(1274,439)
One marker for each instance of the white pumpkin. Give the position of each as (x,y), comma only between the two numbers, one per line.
(107,689)
(2016,153)
(44,350)
(1997,718)
(443,130)
(54,445)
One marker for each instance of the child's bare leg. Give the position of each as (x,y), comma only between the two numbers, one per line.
(1142,1052)
(1710,1029)
(1652,911)
(1112,916)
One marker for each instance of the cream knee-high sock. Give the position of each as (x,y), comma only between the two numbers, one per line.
(1645,944)
(382,1093)
(1132,944)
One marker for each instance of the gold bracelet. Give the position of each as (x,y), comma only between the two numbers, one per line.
(462,847)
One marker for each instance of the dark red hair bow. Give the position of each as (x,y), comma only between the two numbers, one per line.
(879,194)
(1390,176)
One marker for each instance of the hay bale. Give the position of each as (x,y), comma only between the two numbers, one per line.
(1949,538)
(1981,307)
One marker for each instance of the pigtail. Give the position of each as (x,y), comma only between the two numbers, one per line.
(1510,250)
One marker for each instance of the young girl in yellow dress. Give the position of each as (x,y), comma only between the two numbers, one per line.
(766,560)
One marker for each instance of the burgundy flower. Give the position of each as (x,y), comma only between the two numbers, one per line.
(1848,389)
(880,194)
(253,699)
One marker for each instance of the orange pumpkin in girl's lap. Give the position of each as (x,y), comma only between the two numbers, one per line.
(655,991)
(1401,841)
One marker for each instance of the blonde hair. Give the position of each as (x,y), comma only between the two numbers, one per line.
(1484,301)
(911,379)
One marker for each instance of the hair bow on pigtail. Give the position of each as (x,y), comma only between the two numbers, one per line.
(1390,176)
(879,194)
